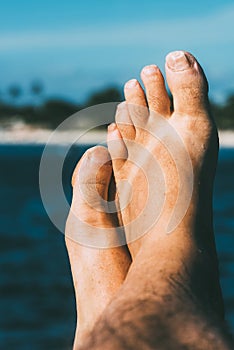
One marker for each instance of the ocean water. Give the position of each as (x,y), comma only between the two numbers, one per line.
(37,309)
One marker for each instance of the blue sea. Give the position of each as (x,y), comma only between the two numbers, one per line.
(37,308)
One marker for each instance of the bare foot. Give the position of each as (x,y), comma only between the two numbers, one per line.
(172,242)
(97,273)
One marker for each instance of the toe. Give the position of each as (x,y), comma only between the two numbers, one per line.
(136,102)
(91,220)
(124,122)
(187,83)
(92,174)
(116,147)
(134,93)
(157,97)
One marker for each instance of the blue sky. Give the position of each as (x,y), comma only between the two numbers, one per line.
(77,47)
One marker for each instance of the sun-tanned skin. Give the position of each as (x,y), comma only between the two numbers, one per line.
(170,296)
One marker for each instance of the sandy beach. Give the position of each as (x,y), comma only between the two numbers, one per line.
(20,133)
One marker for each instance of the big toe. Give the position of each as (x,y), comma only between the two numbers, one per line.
(187,83)
(91,177)
(89,207)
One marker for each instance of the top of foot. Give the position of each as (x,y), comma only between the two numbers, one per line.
(168,158)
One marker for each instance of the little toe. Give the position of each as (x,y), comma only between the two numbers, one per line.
(187,83)
(157,96)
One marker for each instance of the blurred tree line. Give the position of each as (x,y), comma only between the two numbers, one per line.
(51,112)
(47,112)
(224,114)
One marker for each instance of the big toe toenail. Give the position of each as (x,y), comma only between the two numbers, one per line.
(179,61)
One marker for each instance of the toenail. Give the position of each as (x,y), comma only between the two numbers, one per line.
(178,61)
(112,127)
(149,70)
(131,84)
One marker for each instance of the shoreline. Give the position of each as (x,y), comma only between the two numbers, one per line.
(27,135)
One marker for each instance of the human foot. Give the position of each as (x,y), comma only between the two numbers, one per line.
(176,152)
(97,273)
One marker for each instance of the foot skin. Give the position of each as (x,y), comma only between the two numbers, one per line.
(97,273)
(177,152)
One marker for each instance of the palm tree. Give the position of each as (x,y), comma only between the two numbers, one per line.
(15,92)
(37,89)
